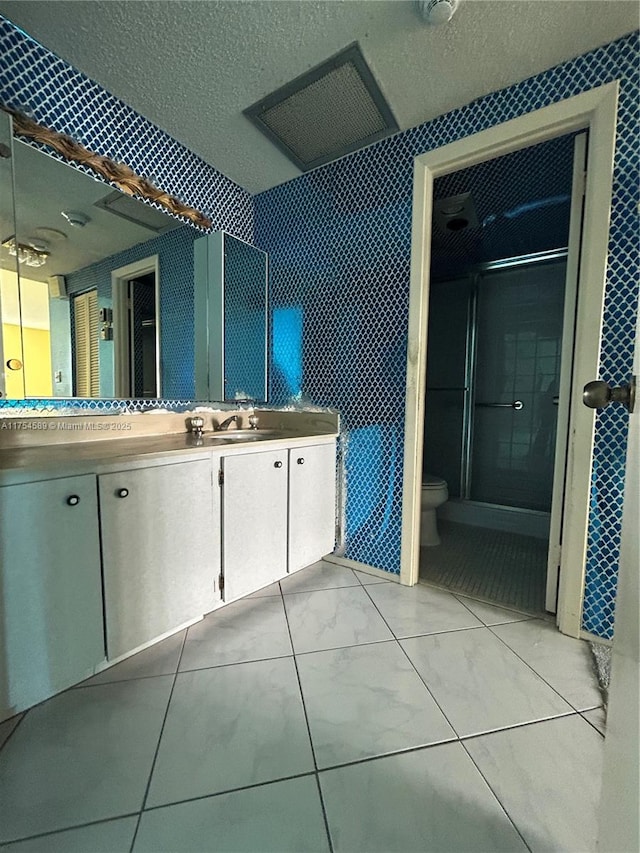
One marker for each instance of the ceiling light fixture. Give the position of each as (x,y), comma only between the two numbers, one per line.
(26,254)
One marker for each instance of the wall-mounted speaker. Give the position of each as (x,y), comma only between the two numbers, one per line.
(57,287)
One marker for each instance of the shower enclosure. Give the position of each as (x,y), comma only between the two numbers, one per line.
(493,371)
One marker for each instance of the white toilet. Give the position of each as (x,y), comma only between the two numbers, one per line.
(434,494)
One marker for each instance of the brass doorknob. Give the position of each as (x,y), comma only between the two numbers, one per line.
(598,395)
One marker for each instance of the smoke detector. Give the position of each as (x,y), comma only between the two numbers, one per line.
(437,12)
(75,218)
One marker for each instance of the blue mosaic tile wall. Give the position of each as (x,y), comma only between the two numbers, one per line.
(175,257)
(339,240)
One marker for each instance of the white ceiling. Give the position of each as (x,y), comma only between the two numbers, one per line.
(192,67)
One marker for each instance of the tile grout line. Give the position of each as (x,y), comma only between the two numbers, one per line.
(413,665)
(74,826)
(16,727)
(157,750)
(306,719)
(497,799)
(593,725)
(550,686)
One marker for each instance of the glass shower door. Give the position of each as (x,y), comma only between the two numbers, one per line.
(517,372)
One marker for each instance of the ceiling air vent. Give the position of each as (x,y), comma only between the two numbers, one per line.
(331,110)
(455,213)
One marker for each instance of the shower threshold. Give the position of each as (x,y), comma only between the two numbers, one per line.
(496,566)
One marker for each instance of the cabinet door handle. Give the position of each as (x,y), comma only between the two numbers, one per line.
(300,460)
(73,500)
(277,464)
(122,493)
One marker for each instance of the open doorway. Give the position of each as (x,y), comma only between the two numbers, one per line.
(594,111)
(499,352)
(136,323)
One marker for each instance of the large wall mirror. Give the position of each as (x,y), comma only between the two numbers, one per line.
(97,288)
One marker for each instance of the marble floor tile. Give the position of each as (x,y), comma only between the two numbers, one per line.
(230,727)
(430,800)
(479,683)
(318,576)
(283,817)
(112,836)
(420,609)
(598,718)
(566,664)
(547,776)
(7,727)
(364,701)
(489,614)
(272,589)
(250,629)
(161,659)
(332,618)
(366,579)
(83,756)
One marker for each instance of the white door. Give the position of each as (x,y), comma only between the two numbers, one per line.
(620,804)
(312,504)
(566,373)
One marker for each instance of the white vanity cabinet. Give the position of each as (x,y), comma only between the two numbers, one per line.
(97,565)
(254,520)
(52,627)
(160,550)
(278,514)
(312,501)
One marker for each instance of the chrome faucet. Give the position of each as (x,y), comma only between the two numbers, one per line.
(226,423)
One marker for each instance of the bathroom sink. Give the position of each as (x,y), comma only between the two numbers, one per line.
(234,435)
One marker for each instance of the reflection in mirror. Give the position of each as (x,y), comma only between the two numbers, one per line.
(231,319)
(11,356)
(77,241)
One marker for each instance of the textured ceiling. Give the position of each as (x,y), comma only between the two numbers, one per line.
(192,67)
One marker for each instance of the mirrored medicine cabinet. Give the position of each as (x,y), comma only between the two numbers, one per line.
(230,319)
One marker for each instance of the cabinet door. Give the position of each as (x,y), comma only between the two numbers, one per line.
(254,518)
(161,551)
(52,633)
(312,500)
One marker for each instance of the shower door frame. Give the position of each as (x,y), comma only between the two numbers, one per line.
(595,111)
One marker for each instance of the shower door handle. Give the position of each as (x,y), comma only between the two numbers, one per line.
(517,405)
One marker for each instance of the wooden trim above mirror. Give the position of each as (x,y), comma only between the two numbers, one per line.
(118,174)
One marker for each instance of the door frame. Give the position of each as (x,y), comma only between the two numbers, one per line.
(120,279)
(595,111)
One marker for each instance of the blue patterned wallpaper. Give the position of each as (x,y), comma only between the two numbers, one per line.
(339,242)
